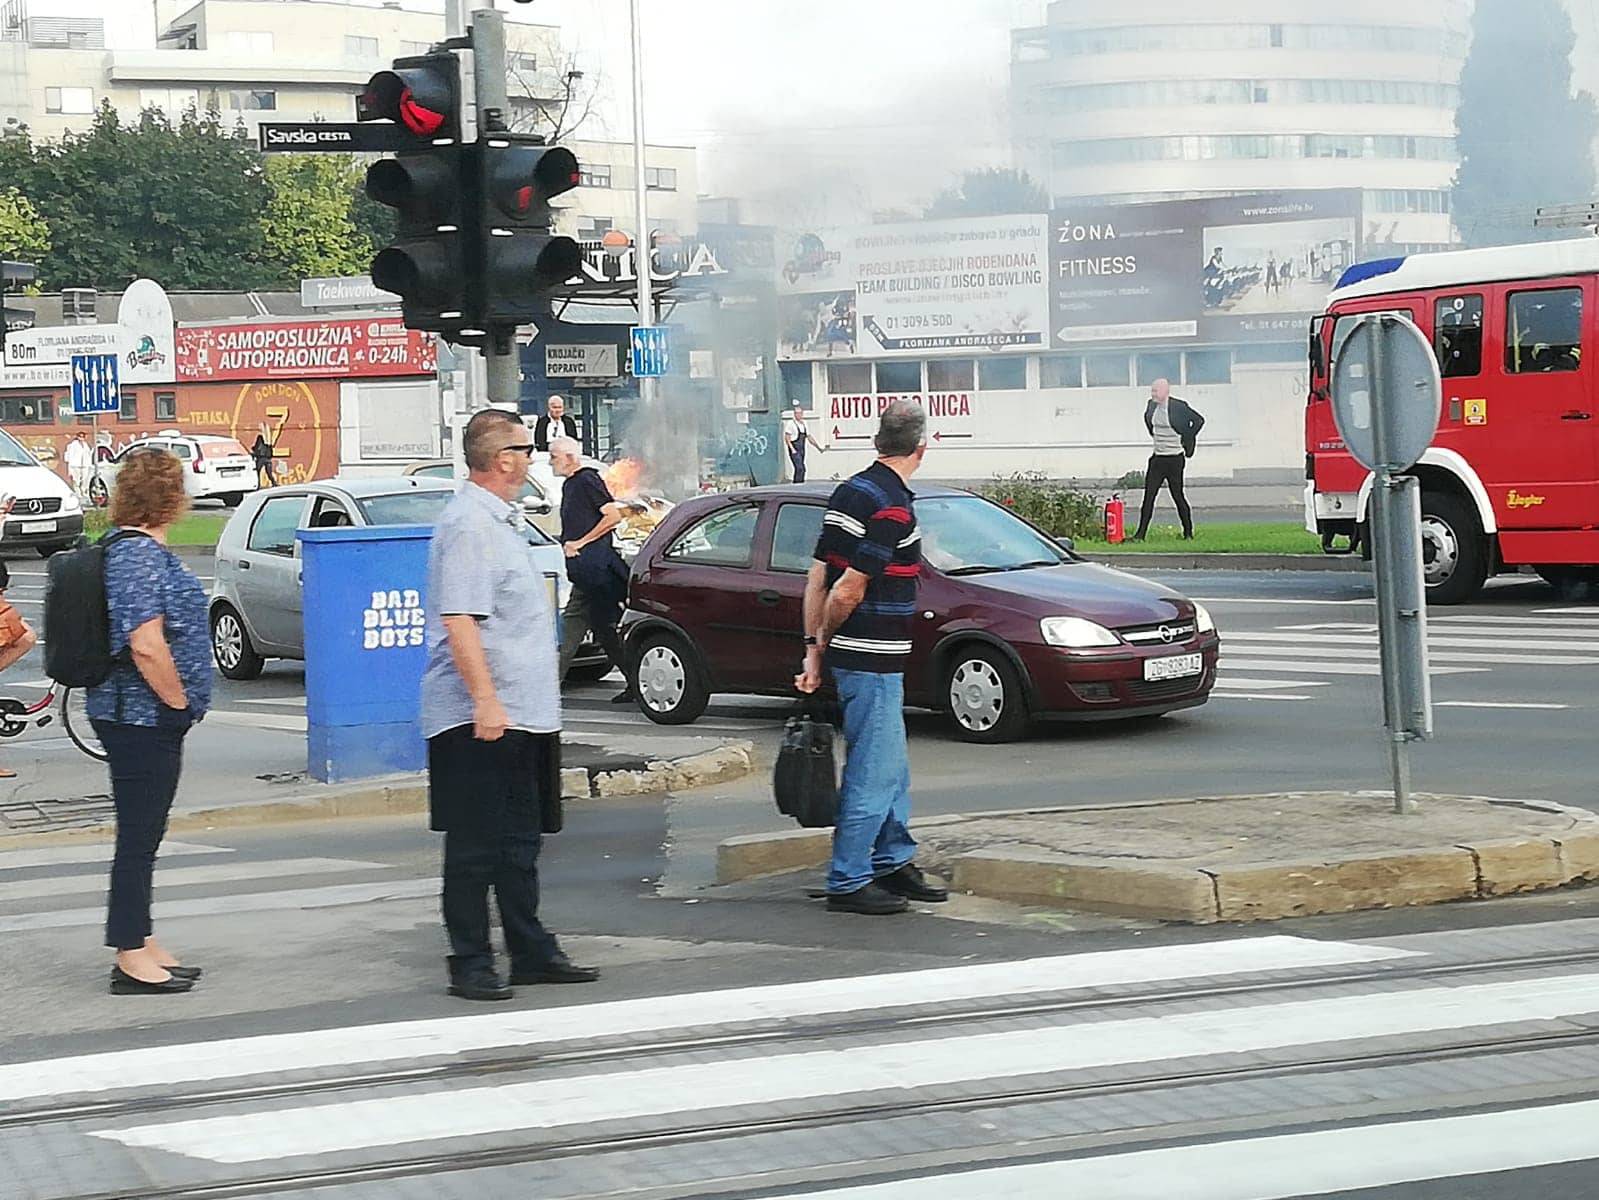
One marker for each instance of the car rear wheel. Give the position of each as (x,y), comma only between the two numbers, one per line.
(668,680)
(1454,552)
(231,499)
(235,657)
(983,692)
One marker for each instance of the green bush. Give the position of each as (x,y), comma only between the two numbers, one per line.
(96,521)
(1133,481)
(1059,509)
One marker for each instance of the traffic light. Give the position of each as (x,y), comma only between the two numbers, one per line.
(522,259)
(428,186)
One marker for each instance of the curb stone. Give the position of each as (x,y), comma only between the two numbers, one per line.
(409,796)
(1232,562)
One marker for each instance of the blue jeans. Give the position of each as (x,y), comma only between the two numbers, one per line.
(872,837)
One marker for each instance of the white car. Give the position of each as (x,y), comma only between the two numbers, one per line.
(45,512)
(218,467)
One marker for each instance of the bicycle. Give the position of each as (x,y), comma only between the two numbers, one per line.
(16,717)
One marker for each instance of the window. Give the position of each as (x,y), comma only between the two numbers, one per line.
(1061,371)
(360,47)
(166,406)
(412,49)
(249,44)
(73,101)
(26,410)
(273,531)
(595,175)
(1002,374)
(130,406)
(951,375)
(172,101)
(794,538)
(1159,364)
(1457,335)
(899,377)
(253,101)
(1208,366)
(661,179)
(1543,331)
(330,514)
(1270,352)
(726,538)
(848,379)
(519,62)
(1106,370)
(796,384)
(1067,155)
(590,228)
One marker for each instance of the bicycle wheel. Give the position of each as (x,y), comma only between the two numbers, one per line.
(75,717)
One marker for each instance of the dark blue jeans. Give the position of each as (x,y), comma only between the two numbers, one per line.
(872,835)
(145,764)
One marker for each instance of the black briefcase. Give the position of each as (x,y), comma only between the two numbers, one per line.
(805,780)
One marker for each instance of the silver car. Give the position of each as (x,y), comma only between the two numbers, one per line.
(256,607)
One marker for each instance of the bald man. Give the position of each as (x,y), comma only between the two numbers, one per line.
(1174,426)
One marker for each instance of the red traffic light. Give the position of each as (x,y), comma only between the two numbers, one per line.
(521,176)
(421,94)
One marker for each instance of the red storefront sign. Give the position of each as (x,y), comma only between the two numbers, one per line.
(304,350)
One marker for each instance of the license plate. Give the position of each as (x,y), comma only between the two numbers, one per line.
(1174,667)
(38,527)
(233,470)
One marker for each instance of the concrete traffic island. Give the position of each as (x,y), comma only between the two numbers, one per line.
(1241,858)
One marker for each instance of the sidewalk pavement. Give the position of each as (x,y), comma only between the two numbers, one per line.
(65,797)
(1244,858)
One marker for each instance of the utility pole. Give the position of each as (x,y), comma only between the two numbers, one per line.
(641,240)
(502,369)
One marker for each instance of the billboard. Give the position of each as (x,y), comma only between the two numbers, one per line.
(1222,269)
(911,289)
(304,350)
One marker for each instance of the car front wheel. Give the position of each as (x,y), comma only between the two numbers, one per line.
(668,680)
(235,657)
(983,692)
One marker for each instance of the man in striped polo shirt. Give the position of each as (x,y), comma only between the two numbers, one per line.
(860,601)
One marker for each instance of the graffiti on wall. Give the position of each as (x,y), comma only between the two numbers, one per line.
(288,415)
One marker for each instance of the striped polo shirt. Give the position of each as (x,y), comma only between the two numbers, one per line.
(870,525)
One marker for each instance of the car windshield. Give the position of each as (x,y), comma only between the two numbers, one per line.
(12,454)
(967,535)
(425,508)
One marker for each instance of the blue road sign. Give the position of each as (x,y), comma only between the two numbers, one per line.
(96,384)
(650,357)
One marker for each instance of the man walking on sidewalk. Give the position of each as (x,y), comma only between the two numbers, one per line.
(597,573)
(491,712)
(860,600)
(1173,425)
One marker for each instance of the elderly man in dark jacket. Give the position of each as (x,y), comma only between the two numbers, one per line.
(1174,426)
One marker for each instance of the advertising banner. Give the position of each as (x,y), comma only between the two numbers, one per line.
(141,339)
(1223,269)
(928,287)
(304,350)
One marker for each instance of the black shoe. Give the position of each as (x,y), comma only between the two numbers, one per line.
(186,972)
(481,985)
(556,969)
(625,696)
(909,882)
(873,900)
(123,984)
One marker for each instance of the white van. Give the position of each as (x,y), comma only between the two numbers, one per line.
(45,512)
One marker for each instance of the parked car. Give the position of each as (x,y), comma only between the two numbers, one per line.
(256,603)
(219,467)
(45,513)
(538,502)
(1011,625)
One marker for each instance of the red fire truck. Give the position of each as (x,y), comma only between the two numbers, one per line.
(1512,476)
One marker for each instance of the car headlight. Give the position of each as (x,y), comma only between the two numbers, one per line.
(1203,621)
(71,504)
(1076,633)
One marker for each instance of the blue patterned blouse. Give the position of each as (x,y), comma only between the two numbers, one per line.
(145,580)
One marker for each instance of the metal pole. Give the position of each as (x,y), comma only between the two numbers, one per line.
(1385,541)
(641,239)
(457,23)
(504,375)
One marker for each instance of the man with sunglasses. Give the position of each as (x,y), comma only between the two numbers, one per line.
(491,712)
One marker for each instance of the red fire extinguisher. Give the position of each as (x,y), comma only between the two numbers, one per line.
(1115,518)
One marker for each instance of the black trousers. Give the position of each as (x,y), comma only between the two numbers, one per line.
(1165,469)
(486,797)
(587,611)
(145,764)
(798,460)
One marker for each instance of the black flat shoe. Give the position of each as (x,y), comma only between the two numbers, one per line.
(186,972)
(483,986)
(558,969)
(123,984)
(909,882)
(873,900)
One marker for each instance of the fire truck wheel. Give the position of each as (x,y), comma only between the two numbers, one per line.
(1454,552)
(984,695)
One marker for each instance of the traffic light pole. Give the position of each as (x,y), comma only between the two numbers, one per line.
(489,68)
(641,240)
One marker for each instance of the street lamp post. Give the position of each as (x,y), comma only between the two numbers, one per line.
(641,237)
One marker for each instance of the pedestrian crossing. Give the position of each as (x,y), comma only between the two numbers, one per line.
(1300,660)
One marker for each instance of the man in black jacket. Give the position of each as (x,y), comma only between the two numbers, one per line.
(1174,426)
(552,425)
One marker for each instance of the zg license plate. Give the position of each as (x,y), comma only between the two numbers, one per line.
(38,527)
(1175,667)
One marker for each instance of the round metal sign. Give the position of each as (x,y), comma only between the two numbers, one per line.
(1386,392)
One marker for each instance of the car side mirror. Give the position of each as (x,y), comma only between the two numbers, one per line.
(535,506)
(1067,544)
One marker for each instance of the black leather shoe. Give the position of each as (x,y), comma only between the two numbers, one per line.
(123,984)
(873,900)
(186,972)
(557,969)
(909,882)
(485,985)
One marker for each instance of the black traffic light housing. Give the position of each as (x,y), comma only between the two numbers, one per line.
(522,259)
(421,94)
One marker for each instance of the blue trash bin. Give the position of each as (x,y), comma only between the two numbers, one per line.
(365,649)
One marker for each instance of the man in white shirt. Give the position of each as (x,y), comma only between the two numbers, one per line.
(795,436)
(79,459)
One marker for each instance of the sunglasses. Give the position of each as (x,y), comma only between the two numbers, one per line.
(526,448)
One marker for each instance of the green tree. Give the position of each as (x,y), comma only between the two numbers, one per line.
(1525,138)
(308,227)
(24,234)
(990,192)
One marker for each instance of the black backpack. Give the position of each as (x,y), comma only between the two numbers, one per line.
(805,780)
(77,622)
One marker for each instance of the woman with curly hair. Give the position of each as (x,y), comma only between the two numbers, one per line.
(159,688)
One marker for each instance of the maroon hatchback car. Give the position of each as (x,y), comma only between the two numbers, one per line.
(1010,626)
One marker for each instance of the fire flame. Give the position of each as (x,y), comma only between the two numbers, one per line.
(624,477)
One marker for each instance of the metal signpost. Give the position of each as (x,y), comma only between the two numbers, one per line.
(96,388)
(1386,395)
